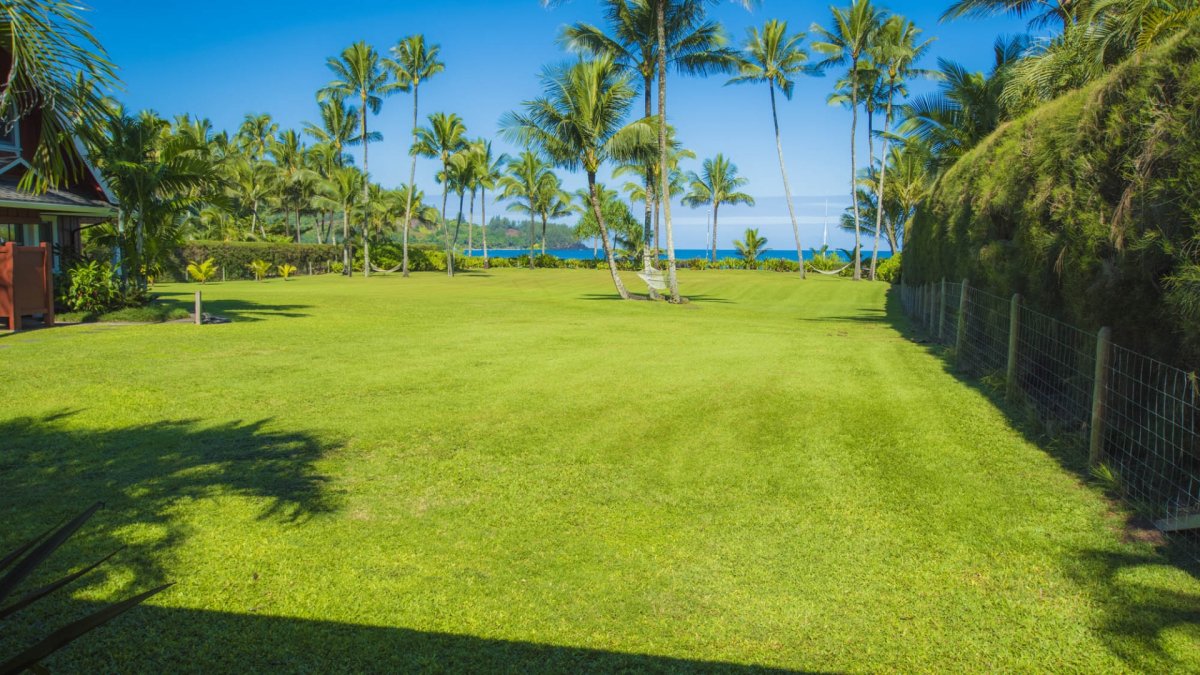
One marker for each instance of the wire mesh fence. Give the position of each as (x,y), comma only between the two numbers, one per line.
(1138,418)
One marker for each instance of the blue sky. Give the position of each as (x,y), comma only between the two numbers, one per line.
(221,59)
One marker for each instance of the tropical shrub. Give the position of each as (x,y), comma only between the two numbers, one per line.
(779,265)
(286,271)
(337,267)
(1087,207)
(21,565)
(202,271)
(888,269)
(261,269)
(93,287)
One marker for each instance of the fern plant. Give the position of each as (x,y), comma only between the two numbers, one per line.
(261,269)
(286,271)
(202,271)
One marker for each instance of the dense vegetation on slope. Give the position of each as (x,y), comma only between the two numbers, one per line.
(1088,206)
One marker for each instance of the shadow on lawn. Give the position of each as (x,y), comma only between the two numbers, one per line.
(52,470)
(187,640)
(1135,615)
(236,310)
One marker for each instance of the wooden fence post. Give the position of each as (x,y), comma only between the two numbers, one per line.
(942,311)
(199,310)
(1100,394)
(1014,329)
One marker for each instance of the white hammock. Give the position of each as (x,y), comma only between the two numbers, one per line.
(828,273)
(383,271)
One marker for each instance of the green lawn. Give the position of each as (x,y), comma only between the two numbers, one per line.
(513,471)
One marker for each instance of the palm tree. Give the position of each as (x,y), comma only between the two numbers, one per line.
(692,46)
(358,72)
(413,62)
(1044,12)
(347,185)
(445,135)
(751,246)
(774,57)
(155,176)
(846,42)
(489,172)
(552,202)
(255,134)
(966,107)
(339,128)
(578,122)
(718,184)
(894,52)
(523,178)
(58,72)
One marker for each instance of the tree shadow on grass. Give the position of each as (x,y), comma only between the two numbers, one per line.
(1135,615)
(188,640)
(51,469)
(237,310)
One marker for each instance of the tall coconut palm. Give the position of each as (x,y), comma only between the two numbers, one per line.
(523,178)
(894,53)
(773,56)
(58,72)
(693,46)
(291,167)
(412,62)
(445,135)
(358,73)
(718,183)
(846,42)
(578,123)
(490,169)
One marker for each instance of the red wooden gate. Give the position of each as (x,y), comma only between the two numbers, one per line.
(26,283)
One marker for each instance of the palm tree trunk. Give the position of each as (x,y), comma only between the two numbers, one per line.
(543,233)
(471,224)
(346,240)
(665,169)
(532,232)
(887,124)
(366,192)
(608,254)
(445,225)
(854,172)
(483,230)
(412,177)
(648,226)
(716,208)
(787,190)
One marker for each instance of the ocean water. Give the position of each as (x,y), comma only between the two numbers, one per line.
(680,253)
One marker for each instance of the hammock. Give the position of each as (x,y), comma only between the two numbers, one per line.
(383,271)
(828,273)
(653,279)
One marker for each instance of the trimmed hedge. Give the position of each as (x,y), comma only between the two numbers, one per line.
(1087,206)
(234,256)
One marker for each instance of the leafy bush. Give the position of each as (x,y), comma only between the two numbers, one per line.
(388,255)
(261,269)
(888,269)
(826,261)
(779,265)
(337,267)
(1087,206)
(235,256)
(202,271)
(93,287)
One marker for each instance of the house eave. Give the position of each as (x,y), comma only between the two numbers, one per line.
(60,209)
